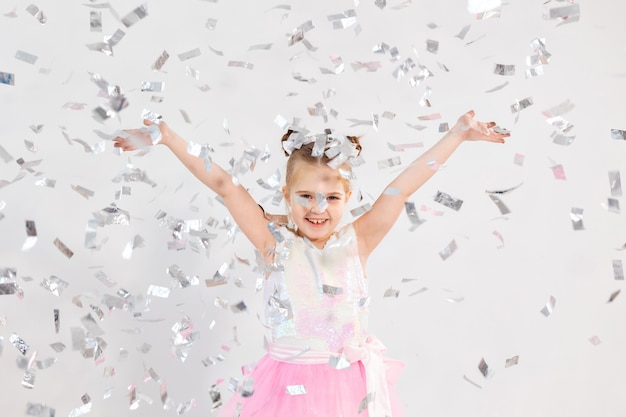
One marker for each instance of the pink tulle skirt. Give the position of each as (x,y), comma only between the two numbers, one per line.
(329,392)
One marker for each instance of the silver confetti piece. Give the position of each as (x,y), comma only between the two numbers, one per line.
(28,380)
(576,215)
(331,291)
(95,21)
(613,205)
(46,182)
(498,87)
(503,69)
(390,162)
(463,32)
(296,390)
(37,13)
(54,284)
(618,270)
(446,252)
(560,124)
(4,155)
(511,361)
(471,382)
(411,212)
(614,296)
(448,201)
(57,320)
(156,291)
(534,71)
(136,15)
(338,362)
(595,340)
(355,212)
(19,343)
(216,398)
(189,54)
(391,293)
(153,86)
(618,134)
(521,104)
(549,307)
(39,410)
(370,395)
(501,206)
(432,46)
(241,64)
(210,24)
(566,12)
(484,369)
(31,235)
(563,140)
(615,183)
(26,57)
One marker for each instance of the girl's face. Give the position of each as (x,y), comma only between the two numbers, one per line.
(316,198)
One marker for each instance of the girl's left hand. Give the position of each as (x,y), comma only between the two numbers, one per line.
(474,130)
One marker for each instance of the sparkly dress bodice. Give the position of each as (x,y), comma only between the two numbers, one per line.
(317,298)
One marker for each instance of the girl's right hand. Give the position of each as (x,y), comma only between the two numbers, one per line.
(149,135)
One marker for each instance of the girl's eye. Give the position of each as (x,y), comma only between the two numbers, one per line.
(332,197)
(307,196)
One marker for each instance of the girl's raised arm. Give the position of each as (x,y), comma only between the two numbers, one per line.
(372,227)
(248,215)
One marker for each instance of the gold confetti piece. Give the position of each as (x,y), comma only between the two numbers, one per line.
(62,248)
(576,215)
(549,307)
(618,269)
(511,361)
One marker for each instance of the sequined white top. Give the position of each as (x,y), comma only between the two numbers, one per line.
(318,298)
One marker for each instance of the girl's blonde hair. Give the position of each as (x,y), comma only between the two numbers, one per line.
(304,153)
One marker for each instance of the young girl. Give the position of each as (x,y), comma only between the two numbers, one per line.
(321,360)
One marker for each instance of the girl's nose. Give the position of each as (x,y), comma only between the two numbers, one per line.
(320,204)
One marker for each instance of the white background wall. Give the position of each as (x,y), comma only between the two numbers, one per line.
(497,291)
